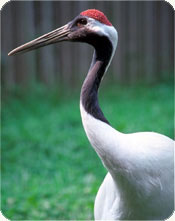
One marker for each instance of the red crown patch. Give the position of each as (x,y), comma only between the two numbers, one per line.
(96,14)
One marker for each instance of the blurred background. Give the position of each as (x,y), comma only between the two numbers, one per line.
(144,53)
(49,170)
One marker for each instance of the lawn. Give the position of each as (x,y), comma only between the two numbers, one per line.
(49,170)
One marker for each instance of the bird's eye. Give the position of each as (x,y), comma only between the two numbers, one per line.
(81,22)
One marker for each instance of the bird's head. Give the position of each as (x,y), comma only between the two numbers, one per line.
(90,26)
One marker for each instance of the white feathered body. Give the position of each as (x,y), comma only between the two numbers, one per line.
(140,177)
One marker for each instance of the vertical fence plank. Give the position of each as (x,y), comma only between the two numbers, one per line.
(8,67)
(133,44)
(46,55)
(118,63)
(149,43)
(73,73)
(25,65)
(124,39)
(166,38)
(29,35)
(57,49)
(65,48)
(140,42)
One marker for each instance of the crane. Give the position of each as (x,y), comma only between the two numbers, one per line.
(139,184)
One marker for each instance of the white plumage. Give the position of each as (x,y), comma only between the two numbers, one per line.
(140,176)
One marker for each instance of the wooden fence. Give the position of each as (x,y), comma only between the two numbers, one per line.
(145,49)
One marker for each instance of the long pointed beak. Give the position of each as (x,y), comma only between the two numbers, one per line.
(60,34)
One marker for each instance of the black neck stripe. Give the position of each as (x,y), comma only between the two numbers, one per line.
(89,91)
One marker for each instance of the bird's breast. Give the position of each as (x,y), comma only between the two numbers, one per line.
(104,139)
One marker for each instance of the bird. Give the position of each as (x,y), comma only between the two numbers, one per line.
(139,184)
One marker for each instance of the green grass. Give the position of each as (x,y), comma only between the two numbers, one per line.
(49,170)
